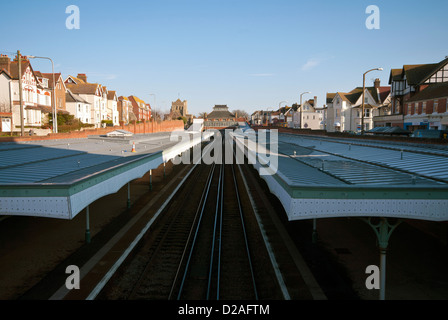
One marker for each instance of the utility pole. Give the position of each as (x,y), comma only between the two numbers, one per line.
(19,59)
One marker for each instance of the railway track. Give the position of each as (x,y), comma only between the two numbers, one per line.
(205,246)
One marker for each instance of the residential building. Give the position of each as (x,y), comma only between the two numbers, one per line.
(428,109)
(307,117)
(5,101)
(30,96)
(112,108)
(59,91)
(93,93)
(419,94)
(344,112)
(44,98)
(262,117)
(329,123)
(125,111)
(78,107)
(140,108)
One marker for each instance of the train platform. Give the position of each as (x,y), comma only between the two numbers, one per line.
(415,270)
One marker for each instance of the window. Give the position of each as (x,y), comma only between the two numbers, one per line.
(436,106)
(367,113)
(424,107)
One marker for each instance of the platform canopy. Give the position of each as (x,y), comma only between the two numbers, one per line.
(324,177)
(59,178)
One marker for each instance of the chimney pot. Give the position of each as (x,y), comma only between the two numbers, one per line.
(377,83)
(82,76)
(5,63)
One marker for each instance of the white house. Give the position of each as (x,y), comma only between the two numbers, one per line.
(92,93)
(5,101)
(31,111)
(112,107)
(344,112)
(307,117)
(78,107)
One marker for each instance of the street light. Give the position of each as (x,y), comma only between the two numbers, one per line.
(301,107)
(55,113)
(363,96)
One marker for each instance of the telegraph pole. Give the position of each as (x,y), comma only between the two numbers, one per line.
(19,59)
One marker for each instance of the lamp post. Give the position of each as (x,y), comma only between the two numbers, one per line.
(301,107)
(55,113)
(363,96)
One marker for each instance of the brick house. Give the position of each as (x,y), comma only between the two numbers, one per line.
(59,92)
(125,110)
(140,108)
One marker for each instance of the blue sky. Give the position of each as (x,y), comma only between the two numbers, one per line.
(248,54)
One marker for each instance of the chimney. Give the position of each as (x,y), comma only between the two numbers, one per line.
(82,76)
(377,83)
(5,63)
(315,101)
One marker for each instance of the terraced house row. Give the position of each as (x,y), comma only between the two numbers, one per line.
(416,98)
(43,93)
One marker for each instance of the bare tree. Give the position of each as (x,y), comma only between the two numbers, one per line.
(241,114)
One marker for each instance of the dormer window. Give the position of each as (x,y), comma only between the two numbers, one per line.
(44,82)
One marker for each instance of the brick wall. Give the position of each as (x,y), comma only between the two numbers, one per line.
(136,128)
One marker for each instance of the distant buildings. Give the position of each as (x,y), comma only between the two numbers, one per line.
(308,116)
(220,117)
